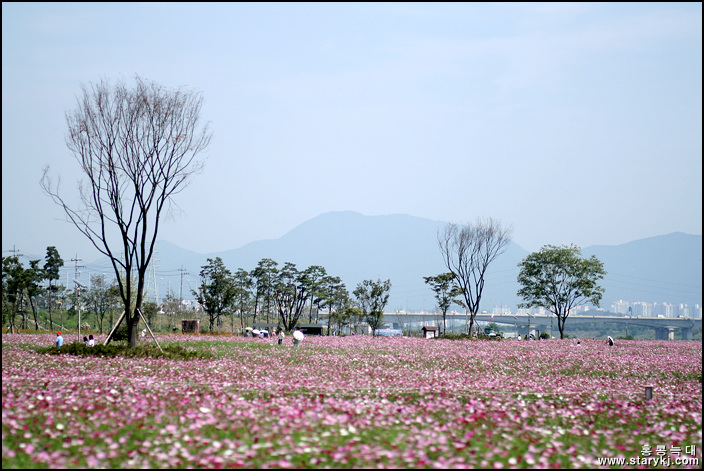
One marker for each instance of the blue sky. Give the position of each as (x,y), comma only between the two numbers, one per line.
(575,123)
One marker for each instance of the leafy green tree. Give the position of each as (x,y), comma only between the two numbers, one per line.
(446,292)
(243,284)
(33,277)
(313,276)
(372,297)
(216,292)
(342,317)
(333,295)
(20,284)
(52,264)
(559,279)
(467,252)
(13,285)
(290,295)
(264,276)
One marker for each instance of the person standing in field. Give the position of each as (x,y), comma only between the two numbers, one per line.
(281,337)
(59,340)
(91,341)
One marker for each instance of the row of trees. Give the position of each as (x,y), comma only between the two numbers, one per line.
(35,288)
(284,295)
(138,148)
(22,286)
(556,278)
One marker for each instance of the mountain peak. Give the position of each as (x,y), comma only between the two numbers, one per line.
(404,248)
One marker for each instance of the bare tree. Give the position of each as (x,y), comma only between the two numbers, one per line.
(467,251)
(137,148)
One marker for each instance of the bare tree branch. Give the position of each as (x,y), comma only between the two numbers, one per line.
(467,251)
(137,148)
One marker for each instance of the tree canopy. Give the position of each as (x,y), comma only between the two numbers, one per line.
(559,279)
(446,292)
(372,297)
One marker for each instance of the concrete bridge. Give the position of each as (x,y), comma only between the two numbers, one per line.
(530,323)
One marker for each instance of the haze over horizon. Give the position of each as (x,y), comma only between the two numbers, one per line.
(574,123)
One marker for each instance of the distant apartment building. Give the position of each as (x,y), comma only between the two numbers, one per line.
(620,307)
(664,309)
(641,309)
(683,310)
(501,310)
(626,308)
(532,310)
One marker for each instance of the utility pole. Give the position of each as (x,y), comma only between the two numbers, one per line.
(152,264)
(156,290)
(180,293)
(77,288)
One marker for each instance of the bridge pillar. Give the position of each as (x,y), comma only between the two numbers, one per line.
(665,333)
(687,333)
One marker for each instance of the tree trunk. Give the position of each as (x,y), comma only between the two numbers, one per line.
(561,326)
(34,311)
(51,322)
(132,326)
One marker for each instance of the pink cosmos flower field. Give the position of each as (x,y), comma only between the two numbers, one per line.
(355,402)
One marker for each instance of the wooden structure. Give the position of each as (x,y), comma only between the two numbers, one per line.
(312,329)
(430,332)
(190,326)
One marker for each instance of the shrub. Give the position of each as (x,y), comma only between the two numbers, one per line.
(454,336)
(121,333)
(122,349)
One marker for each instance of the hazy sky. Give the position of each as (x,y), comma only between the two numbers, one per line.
(575,123)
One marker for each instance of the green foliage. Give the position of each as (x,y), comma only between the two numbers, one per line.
(455,336)
(121,333)
(216,292)
(372,297)
(464,336)
(559,279)
(446,290)
(122,349)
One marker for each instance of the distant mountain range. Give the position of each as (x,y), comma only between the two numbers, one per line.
(404,249)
